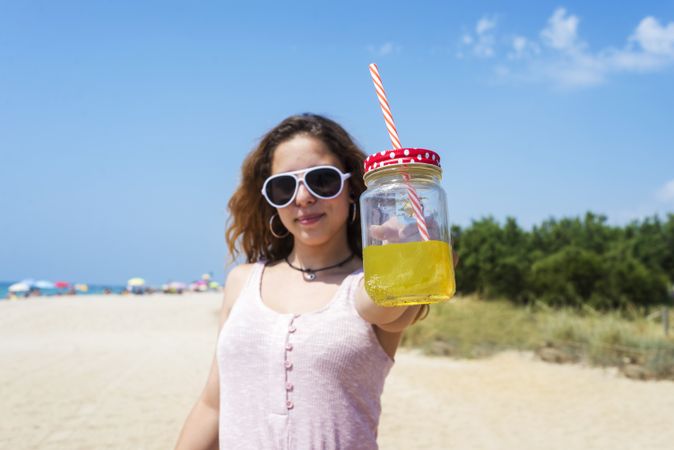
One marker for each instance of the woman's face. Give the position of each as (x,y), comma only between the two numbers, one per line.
(311,220)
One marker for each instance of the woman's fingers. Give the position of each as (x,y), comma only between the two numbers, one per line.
(383,232)
(388,231)
(409,231)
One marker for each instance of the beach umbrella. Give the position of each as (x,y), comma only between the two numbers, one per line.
(19,287)
(28,282)
(213,285)
(43,284)
(177,285)
(206,276)
(135,282)
(61,284)
(199,285)
(82,287)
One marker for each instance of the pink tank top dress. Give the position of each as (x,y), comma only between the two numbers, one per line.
(299,381)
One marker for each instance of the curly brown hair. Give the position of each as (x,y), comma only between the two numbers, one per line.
(248,224)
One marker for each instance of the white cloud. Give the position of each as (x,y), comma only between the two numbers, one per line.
(482,44)
(519,43)
(523,48)
(654,38)
(579,71)
(655,52)
(387,48)
(562,31)
(634,61)
(485,24)
(666,192)
(484,48)
(559,56)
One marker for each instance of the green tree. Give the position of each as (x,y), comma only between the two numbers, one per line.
(567,277)
(568,262)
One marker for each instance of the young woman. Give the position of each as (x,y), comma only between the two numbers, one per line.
(303,351)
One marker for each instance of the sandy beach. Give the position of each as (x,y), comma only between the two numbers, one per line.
(111,372)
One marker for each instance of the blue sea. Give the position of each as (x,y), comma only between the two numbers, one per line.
(93,289)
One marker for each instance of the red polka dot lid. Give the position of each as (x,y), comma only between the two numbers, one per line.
(401,156)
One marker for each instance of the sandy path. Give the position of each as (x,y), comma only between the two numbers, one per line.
(513,401)
(122,373)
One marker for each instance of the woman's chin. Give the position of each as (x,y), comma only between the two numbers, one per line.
(312,236)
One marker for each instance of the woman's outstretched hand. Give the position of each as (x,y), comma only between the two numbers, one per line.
(393,230)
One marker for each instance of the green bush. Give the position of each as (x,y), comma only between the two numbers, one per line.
(570,262)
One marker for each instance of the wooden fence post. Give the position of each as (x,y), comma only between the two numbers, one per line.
(665,313)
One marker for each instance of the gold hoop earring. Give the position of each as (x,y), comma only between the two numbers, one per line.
(354,212)
(271,228)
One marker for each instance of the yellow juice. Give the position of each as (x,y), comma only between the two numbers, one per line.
(410,273)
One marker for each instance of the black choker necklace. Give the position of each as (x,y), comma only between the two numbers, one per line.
(310,274)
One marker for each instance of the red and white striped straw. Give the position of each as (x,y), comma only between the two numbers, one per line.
(388,117)
(393,134)
(417,207)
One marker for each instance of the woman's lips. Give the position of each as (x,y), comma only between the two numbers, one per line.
(309,220)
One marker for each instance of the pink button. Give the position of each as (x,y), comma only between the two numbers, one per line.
(292,329)
(289,386)
(290,404)
(288,365)
(289,346)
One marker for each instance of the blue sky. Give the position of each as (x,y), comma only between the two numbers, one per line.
(123,125)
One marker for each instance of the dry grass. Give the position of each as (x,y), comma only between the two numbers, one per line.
(470,328)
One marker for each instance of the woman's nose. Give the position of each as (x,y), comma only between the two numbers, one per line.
(304,197)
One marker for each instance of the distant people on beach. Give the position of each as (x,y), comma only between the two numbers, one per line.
(137,290)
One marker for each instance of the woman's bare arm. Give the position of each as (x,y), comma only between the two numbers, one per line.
(200,431)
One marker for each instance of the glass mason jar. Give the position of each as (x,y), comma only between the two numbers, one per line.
(407,256)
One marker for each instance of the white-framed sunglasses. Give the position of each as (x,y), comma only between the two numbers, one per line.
(324,182)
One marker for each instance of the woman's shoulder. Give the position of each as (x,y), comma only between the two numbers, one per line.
(235,283)
(241,269)
(238,275)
